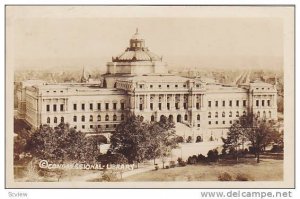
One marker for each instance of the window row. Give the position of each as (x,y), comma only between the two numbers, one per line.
(230,103)
(91,118)
(160,86)
(108,106)
(264,114)
(107,126)
(263,103)
(217,122)
(216,115)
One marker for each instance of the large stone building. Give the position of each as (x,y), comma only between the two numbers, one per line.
(137,81)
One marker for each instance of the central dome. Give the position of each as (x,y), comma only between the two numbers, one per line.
(137,51)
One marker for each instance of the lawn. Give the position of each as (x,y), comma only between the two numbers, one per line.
(266,170)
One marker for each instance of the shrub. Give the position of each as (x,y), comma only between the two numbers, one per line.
(212,155)
(201,158)
(179,139)
(224,177)
(172,164)
(156,167)
(192,160)
(241,177)
(109,176)
(189,139)
(182,164)
(167,167)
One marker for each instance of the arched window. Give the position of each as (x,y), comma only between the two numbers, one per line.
(264,114)
(270,114)
(223,114)
(82,118)
(55,120)
(91,118)
(48,120)
(230,114)
(62,119)
(115,118)
(198,117)
(237,114)
(244,113)
(209,114)
(185,117)
(99,118)
(106,117)
(179,118)
(258,113)
(122,117)
(152,118)
(216,114)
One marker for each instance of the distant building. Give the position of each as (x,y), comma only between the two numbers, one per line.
(137,81)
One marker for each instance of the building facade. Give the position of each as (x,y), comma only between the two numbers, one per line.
(137,81)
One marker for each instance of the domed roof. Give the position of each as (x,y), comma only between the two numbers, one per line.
(138,55)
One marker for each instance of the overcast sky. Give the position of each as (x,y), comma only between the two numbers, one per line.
(73,37)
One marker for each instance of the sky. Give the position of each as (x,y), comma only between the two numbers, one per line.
(73,37)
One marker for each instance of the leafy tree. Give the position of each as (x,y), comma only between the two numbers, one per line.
(234,138)
(62,144)
(132,139)
(260,136)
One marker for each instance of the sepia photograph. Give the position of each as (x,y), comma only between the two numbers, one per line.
(149,96)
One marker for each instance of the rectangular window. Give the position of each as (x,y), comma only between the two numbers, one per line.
(257,102)
(48,107)
(216,103)
(168,106)
(91,106)
(115,106)
(75,118)
(74,107)
(262,102)
(159,106)
(230,103)
(151,106)
(122,106)
(61,107)
(237,103)
(244,103)
(99,106)
(141,107)
(159,86)
(106,106)
(185,105)
(82,107)
(177,105)
(83,126)
(269,103)
(216,122)
(223,103)
(107,126)
(197,105)
(54,108)
(151,86)
(91,126)
(209,122)
(209,103)
(223,122)
(176,86)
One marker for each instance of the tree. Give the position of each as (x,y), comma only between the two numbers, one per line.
(163,139)
(234,138)
(132,139)
(62,144)
(259,132)
(261,135)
